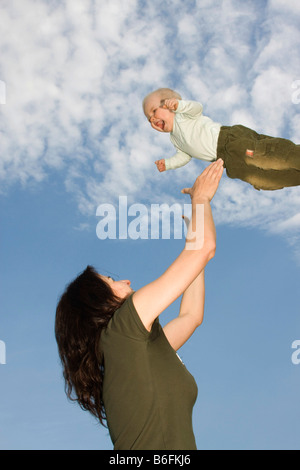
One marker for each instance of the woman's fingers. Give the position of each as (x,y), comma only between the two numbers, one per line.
(217,170)
(214,167)
(211,169)
(207,183)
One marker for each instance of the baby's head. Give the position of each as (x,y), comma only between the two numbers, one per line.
(161,119)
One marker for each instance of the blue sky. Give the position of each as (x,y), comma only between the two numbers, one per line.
(73,137)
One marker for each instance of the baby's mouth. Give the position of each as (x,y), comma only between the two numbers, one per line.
(161,125)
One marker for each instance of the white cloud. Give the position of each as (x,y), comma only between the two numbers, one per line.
(76,72)
(291,224)
(283,7)
(271,99)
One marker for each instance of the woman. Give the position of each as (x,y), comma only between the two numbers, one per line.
(120,363)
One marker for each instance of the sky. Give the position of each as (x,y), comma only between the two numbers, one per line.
(73,137)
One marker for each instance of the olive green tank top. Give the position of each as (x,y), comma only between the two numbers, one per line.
(148,393)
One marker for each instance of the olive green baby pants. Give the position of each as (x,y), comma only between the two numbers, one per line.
(266,162)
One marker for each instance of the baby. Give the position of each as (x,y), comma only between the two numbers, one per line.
(265,162)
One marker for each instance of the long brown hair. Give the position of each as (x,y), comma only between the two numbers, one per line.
(83,311)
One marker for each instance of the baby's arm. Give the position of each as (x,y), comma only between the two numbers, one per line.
(179,159)
(171,104)
(190,108)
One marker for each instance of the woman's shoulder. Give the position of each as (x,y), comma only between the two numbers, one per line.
(126,322)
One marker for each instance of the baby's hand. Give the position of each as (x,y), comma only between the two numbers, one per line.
(171,103)
(161,166)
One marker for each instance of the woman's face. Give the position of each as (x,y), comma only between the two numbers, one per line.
(121,289)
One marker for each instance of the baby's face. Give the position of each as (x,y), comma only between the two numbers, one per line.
(161,119)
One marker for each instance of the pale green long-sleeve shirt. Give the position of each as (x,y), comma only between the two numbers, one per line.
(193,135)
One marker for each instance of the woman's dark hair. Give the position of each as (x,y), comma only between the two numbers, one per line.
(83,311)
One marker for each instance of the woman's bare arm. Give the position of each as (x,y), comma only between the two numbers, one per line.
(155,297)
(191,312)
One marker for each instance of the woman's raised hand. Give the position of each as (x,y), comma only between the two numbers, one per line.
(207,183)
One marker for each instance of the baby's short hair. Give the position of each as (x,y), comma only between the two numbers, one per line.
(163,93)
